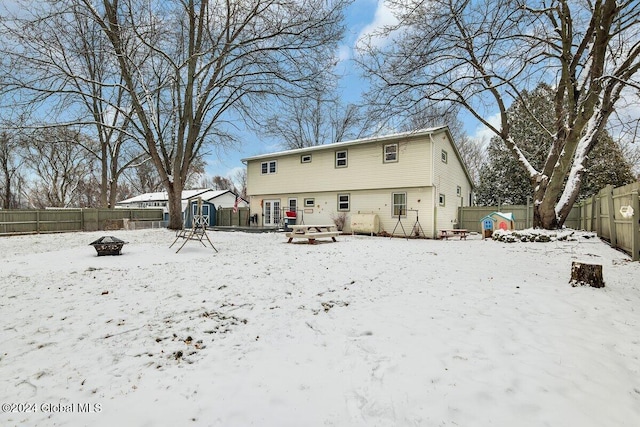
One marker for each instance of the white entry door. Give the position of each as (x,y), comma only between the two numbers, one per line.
(271,213)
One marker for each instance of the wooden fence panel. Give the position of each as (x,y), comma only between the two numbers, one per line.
(27,221)
(469,216)
(225,217)
(601,213)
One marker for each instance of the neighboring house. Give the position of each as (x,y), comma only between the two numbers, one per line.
(391,176)
(212,200)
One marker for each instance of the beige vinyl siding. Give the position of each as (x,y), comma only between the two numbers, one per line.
(377,201)
(447,177)
(368,180)
(380,202)
(365,169)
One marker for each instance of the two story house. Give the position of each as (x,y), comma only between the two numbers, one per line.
(403,177)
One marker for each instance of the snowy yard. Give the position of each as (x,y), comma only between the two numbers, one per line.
(362,332)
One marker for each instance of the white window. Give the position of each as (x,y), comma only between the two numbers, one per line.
(305,158)
(444,156)
(268,167)
(441,199)
(309,203)
(399,204)
(341,159)
(391,153)
(343,202)
(458,191)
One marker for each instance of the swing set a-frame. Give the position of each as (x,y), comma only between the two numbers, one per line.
(198,230)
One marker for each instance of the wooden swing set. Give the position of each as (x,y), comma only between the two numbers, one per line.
(198,230)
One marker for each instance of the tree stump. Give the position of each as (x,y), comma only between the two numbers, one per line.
(586,275)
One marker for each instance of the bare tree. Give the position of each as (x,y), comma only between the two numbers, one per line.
(240,179)
(631,153)
(186,69)
(143,178)
(61,64)
(217,183)
(56,158)
(11,175)
(481,55)
(315,117)
(187,65)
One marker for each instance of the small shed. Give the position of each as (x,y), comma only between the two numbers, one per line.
(497,221)
(208,211)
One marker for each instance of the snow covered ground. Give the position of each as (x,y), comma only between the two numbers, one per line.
(362,332)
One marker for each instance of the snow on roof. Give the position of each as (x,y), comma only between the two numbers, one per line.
(506,215)
(147,197)
(212,194)
(188,194)
(162,196)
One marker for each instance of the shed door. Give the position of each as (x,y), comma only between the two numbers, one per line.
(205,213)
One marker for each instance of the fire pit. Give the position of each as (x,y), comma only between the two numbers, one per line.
(108,245)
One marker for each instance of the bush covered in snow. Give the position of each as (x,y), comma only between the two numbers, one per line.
(540,235)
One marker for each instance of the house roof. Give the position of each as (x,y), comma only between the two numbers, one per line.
(370,140)
(334,145)
(162,196)
(212,194)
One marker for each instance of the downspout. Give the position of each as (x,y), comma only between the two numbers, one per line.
(433,186)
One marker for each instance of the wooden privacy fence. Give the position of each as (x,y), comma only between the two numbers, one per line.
(608,213)
(603,213)
(469,216)
(29,221)
(226,217)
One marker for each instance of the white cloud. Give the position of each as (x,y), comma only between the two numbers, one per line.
(343,54)
(382,17)
(482,134)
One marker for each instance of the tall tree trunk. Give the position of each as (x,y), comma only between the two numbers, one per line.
(174,191)
(545,217)
(7,189)
(104,178)
(113,193)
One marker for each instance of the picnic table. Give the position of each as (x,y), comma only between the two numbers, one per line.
(312,232)
(446,233)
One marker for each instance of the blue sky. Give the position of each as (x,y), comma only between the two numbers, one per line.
(362,17)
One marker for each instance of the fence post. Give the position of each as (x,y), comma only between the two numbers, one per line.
(613,235)
(635,228)
(597,203)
